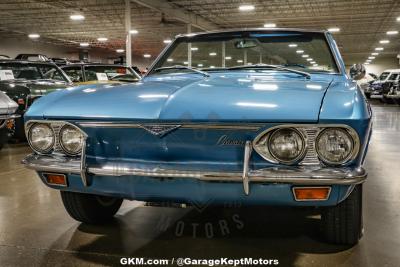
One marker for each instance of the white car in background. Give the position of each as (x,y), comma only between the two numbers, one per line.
(383,84)
(7,112)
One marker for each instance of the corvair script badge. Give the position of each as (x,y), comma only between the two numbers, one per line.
(159,129)
(225,141)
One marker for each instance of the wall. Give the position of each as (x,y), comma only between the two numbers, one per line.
(14,46)
(380,64)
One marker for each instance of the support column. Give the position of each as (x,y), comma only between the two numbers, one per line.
(189,30)
(223,54)
(128,47)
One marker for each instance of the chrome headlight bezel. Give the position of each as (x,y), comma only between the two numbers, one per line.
(261,145)
(62,143)
(310,132)
(36,149)
(353,137)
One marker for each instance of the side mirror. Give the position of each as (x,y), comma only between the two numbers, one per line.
(357,71)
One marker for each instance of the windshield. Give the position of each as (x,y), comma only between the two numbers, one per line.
(29,71)
(383,76)
(98,73)
(393,77)
(297,50)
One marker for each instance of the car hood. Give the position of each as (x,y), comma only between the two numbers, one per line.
(36,87)
(220,97)
(7,106)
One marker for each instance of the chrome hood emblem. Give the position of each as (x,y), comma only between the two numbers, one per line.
(159,129)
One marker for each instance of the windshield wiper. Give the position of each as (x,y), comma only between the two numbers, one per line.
(180,67)
(261,66)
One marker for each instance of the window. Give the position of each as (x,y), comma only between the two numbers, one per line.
(74,73)
(93,73)
(304,51)
(32,71)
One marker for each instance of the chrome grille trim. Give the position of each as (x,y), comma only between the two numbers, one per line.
(189,125)
(311,157)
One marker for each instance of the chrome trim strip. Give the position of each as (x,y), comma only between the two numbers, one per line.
(9,116)
(288,175)
(83,167)
(247,154)
(252,126)
(304,187)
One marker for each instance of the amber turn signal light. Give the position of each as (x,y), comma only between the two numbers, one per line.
(311,193)
(56,179)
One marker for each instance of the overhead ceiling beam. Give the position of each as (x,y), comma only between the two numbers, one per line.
(180,14)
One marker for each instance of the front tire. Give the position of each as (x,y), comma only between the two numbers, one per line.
(91,209)
(342,224)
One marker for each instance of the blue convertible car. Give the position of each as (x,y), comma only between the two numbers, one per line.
(261,117)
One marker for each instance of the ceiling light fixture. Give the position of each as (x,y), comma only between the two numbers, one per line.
(375,54)
(33,35)
(102,39)
(212,54)
(379,49)
(133,31)
(371,57)
(384,41)
(246,7)
(392,32)
(77,17)
(269,25)
(335,29)
(147,55)
(167,41)
(300,51)
(84,44)
(292,45)
(120,50)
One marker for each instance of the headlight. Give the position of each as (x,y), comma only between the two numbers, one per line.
(286,145)
(41,137)
(71,140)
(335,146)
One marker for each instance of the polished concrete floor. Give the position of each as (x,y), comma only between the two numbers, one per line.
(36,231)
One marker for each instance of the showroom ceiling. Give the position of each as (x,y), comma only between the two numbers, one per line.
(362,23)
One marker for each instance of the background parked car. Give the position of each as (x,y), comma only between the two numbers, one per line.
(25,81)
(60,61)
(365,83)
(33,57)
(7,110)
(382,84)
(91,73)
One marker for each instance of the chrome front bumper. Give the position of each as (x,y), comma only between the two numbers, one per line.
(304,175)
(396,96)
